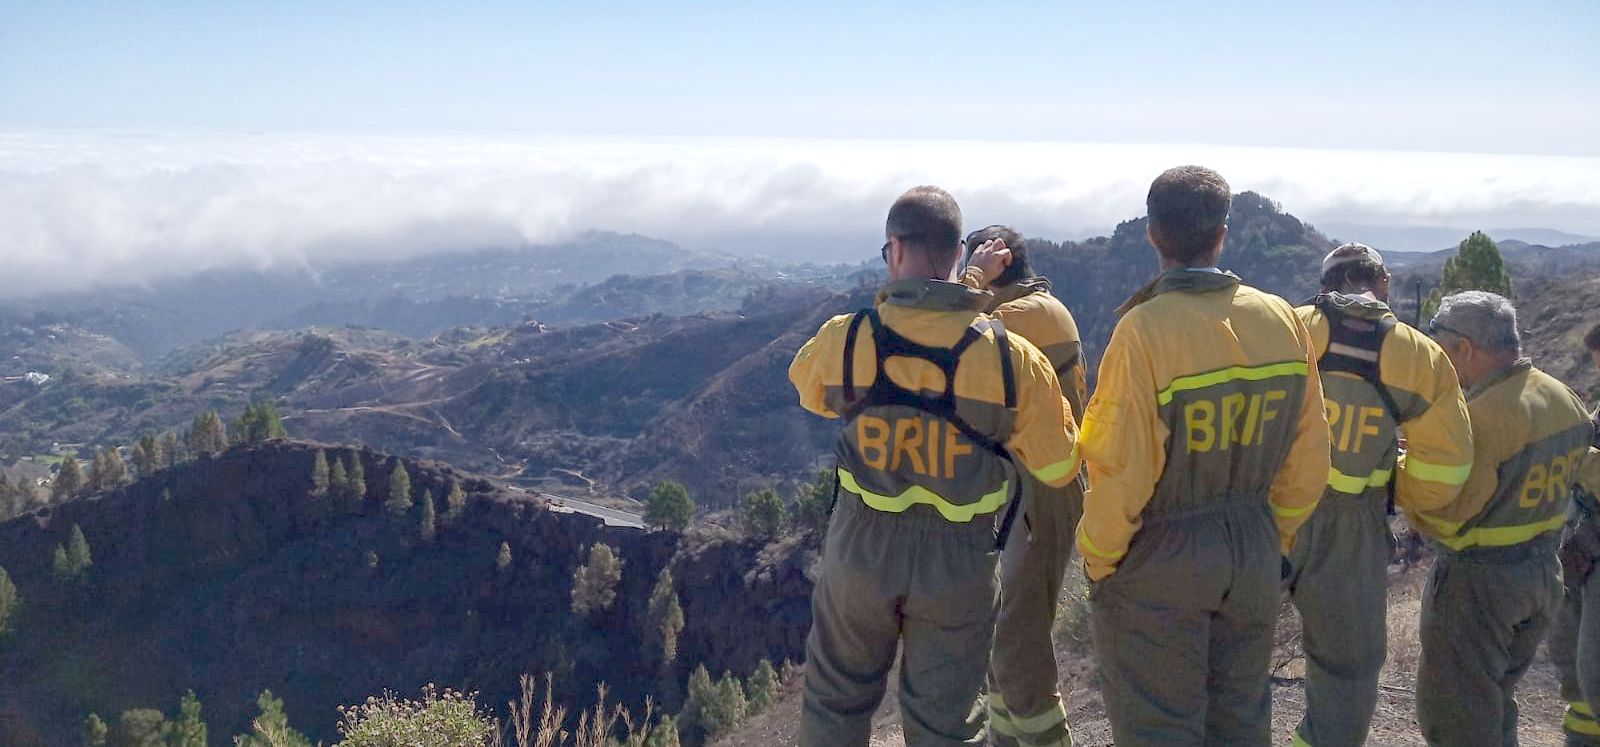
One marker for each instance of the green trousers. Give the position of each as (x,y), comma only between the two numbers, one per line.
(1340,587)
(911,581)
(1574,647)
(1183,630)
(1482,621)
(1025,705)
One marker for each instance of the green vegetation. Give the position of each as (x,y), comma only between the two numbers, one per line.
(669,506)
(762,513)
(455,502)
(69,479)
(320,477)
(207,434)
(429,523)
(502,562)
(440,717)
(72,561)
(666,620)
(271,728)
(148,727)
(107,471)
(259,422)
(594,584)
(399,503)
(355,488)
(813,501)
(1476,266)
(763,687)
(95,732)
(8,602)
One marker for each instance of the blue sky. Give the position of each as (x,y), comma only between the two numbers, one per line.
(1452,76)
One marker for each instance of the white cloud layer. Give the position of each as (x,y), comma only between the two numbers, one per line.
(83,209)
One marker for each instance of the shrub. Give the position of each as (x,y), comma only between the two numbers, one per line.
(446,718)
(594,584)
(669,506)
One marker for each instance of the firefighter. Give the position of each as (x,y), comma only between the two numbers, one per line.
(1025,706)
(1495,584)
(944,413)
(1575,639)
(1378,376)
(1207,449)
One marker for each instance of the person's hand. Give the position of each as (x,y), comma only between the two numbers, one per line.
(1579,551)
(991,257)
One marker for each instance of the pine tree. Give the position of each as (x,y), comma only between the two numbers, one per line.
(141,727)
(726,709)
(372,560)
(594,584)
(187,730)
(399,502)
(666,620)
(812,503)
(502,562)
(763,687)
(171,449)
(271,727)
(69,480)
(319,475)
(1476,266)
(664,735)
(141,463)
(339,480)
(61,565)
(116,470)
(95,732)
(669,506)
(762,513)
(456,502)
(430,521)
(148,458)
(357,484)
(259,422)
(700,693)
(78,552)
(8,602)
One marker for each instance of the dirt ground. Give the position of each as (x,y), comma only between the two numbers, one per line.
(1394,724)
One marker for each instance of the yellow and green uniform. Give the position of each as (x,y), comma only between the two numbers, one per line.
(910,554)
(1341,556)
(1496,582)
(1207,449)
(1025,706)
(1575,640)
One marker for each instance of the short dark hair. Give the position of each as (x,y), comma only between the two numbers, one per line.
(926,219)
(1354,276)
(1020,267)
(1187,205)
(1592,339)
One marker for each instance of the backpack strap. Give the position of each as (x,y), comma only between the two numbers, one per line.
(850,350)
(1355,346)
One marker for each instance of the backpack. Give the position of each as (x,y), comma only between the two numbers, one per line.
(884,392)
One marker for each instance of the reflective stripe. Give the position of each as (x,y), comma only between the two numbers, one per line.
(1503,536)
(1436,472)
(1049,718)
(1299,741)
(1236,373)
(1339,348)
(1580,721)
(1356,485)
(1088,544)
(1053,473)
(959,514)
(1290,513)
(1442,525)
(999,717)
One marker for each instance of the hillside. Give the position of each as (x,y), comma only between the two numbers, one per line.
(226,576)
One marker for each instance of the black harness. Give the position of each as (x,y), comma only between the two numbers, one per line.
(1355,346)
(885,393)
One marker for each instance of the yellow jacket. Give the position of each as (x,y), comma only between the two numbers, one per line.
(1530,434)
(1027,308)
(1208,395)
(899,459)
(1432,412)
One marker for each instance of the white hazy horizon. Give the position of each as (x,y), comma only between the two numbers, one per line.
(81,209)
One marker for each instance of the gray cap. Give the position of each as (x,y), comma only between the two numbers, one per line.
(1347,253)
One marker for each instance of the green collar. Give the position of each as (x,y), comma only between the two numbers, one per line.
(1521,365)
(1180,280)
(933,295)
(1024,287)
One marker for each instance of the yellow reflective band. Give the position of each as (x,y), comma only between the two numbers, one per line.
(1088,544)
(1439,473)
(1299,741)
(1237,373)
(1503,536)
(1049,718)
(1578,723)
(1053,473)
(1357,485)
(1290,513)
(1581,707)
(959,514)
(1443,525)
